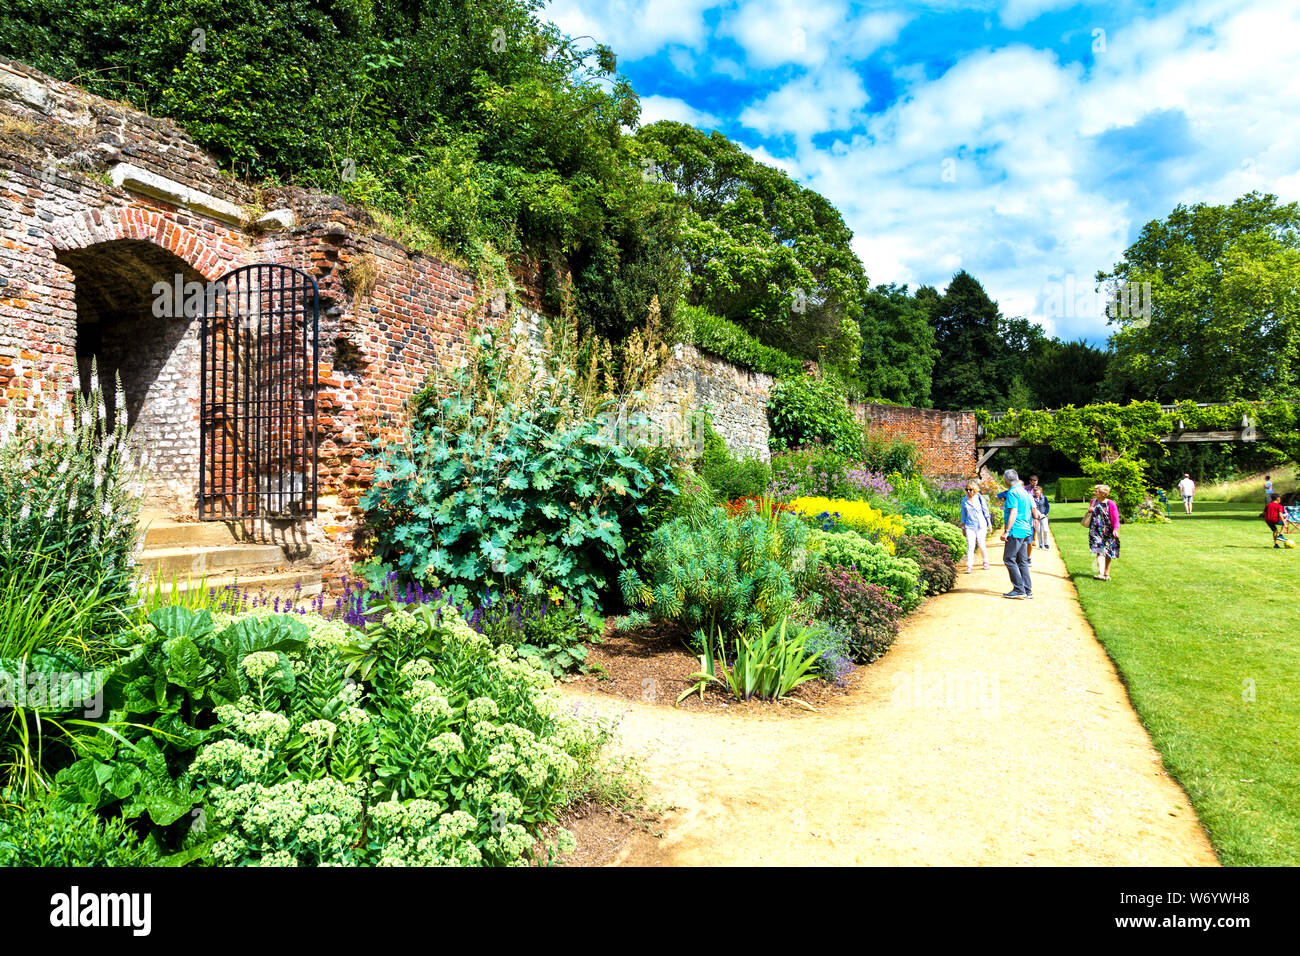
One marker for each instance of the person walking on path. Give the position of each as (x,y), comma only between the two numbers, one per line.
(1102,521)
(1018,528)
(1187,488)
(977,521)
(1030,485)
(1043,507)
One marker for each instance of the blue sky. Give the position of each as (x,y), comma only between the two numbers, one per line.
(1026,141)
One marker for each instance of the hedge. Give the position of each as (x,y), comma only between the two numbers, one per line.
(727,340)
(1072,489)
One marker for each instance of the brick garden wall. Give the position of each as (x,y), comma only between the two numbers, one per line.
(99,202)
(946,439)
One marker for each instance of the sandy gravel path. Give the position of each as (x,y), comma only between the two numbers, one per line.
(993,732)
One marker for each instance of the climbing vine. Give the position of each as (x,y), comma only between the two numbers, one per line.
(1115,444)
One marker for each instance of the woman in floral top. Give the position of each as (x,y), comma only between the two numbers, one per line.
(1103,530)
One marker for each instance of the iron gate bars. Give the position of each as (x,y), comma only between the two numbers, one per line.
(259,340)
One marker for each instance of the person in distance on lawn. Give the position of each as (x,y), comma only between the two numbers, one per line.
(1103,530)
(1273,516)
(1018,527)
(976,520)
(1187,488)
(1268,489)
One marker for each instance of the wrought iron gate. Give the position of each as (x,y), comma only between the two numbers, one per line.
(257,385)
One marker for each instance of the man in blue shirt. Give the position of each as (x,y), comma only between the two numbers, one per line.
(1018,529)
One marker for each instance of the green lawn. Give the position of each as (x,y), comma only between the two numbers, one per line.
(1198,613)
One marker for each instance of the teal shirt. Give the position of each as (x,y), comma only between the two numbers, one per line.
(1019,499)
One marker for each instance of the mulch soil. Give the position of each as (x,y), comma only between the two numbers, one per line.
(654,665)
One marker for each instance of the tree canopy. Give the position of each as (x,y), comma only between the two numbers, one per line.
(469,122)
(1224,321)
(760,249)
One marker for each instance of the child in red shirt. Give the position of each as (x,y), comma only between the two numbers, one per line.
(1273,516)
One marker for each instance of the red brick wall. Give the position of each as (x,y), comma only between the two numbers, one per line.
(377,346)
(60,218)
(946,439)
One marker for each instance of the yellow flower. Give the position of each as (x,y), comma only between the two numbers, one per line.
(855,515)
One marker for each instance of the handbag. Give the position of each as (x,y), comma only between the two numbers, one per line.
(1087,518)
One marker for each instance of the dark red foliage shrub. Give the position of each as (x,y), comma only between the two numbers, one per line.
(859,608)
(938,572)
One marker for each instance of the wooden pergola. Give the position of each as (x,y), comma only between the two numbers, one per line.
(988,447)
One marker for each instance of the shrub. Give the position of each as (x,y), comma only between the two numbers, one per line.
(548,628)
(735,575)
(70,498)
(834,651)
(453,752)
(900,576)
(892,455)
(837,514)
(861,610)
(949,534)
(934,558)
(813,409)
(1074,489)
(507,477)
(729,476)
(816,470)
(712,333)
(41,830)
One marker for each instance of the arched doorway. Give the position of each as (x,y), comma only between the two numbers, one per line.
(133,326)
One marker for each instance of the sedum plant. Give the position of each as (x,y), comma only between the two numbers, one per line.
(739,574)
(452,752)
(933,527)
(862,612)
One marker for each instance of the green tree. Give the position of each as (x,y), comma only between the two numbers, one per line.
(760,249)
(1066,373)
(1224,317)
(970,369)
(898,351)
(471,123)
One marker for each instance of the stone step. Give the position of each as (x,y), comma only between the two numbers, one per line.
(302,584)
(180,534)
(192,560)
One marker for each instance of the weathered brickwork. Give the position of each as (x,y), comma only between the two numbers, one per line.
(98,203)
(946,439)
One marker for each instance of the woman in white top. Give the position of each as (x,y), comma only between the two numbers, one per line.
(977,521)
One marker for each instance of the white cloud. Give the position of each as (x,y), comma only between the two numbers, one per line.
(634,28)
(1055,165)
(820,102)
(654,108)
(1036,201)
(809,33)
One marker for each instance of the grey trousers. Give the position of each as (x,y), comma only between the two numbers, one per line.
(1016,557)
